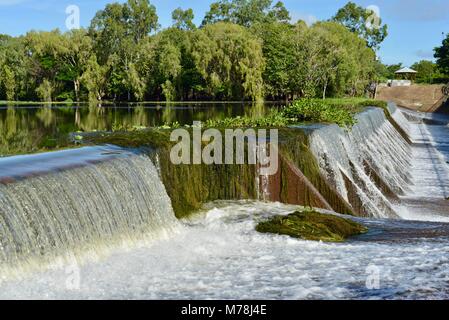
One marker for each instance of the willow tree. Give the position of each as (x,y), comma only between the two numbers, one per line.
(169,68)
(95,79)
(162,62)
(230,59)
(15,56)
(310,49)
(8,82)
(354,62)
(278,42)
(329,60)
(45,91)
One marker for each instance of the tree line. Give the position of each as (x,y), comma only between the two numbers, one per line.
(429,72)
(243,50)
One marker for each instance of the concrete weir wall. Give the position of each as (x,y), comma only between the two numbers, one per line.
(424,98)
(358,172)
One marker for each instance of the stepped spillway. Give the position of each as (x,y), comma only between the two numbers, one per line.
(427,197)
(350,158)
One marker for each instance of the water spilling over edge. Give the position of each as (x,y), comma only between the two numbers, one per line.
(63,211)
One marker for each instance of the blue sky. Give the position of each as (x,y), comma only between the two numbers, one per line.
(415,26)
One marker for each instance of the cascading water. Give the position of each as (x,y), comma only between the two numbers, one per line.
(349,159)
(427,198)
(400,118)
(108,198)
(111,196)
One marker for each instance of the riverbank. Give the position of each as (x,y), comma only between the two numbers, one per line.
(422,98)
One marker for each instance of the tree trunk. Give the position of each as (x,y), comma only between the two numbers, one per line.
(324,91)
(76,85)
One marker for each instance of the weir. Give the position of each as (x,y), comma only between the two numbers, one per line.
(76,202)
(94,199)
(365,162)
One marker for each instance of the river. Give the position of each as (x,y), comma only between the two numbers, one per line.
(217,254)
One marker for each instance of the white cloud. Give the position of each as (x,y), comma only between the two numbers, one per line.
(424,54)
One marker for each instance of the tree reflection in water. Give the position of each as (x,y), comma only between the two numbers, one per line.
(29,129)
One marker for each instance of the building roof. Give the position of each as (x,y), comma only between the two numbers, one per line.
(406,70)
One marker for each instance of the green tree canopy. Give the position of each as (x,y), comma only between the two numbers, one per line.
(183,19)
(278,50)
(114,27)
(442,56)
(231,61)
(246,49)
(95,79)
(426,71)
(364,22)
(246,12)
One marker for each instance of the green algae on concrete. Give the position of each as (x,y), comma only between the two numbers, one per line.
(294,145)
(311,225)
(189,186)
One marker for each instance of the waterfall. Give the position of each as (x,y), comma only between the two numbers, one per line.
(78,202)
(400,118)
(364,162)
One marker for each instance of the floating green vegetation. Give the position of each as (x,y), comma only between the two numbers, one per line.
(274,118)
(311,225)
(338,111)
(320,111)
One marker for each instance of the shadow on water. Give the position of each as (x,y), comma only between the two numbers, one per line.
(402,231)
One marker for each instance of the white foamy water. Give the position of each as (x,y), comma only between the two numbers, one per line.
(417,173)
(343,156)
(67,210)
(427,197)
(221,256)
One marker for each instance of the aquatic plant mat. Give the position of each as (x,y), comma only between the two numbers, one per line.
(311,225)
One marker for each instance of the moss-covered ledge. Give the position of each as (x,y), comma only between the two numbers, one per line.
(312,225)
